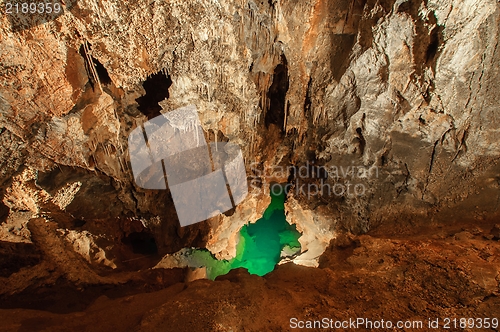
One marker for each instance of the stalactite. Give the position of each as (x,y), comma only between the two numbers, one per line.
(95,163)
(268,37)
(241,28)
(257,118)
(216,133)
(252,137)
(319,115)
(122,168)
(257,38)
(105,148)
(286,115)
(91,65)
(204,90)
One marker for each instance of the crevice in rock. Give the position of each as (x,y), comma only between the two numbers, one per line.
(435,42)
(433,156)
(277,95)
(462,147)
(156,87)
(431,164)
(406,182)
(427,42)
(341,48)
(96,72)
(362,141)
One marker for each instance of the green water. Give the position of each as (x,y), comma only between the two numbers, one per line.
(260,244)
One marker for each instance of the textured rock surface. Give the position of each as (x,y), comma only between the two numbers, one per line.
(366,84)
(406,90)
(407,279)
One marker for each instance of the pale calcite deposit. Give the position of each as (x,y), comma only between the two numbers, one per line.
(84,244)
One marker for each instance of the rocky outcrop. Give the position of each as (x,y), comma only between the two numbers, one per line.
(399,279)
(403,92)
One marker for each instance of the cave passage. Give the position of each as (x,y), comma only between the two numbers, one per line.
(156,87)
(277,95)
(261,244)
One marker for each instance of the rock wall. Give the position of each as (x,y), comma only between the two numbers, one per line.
(407,89)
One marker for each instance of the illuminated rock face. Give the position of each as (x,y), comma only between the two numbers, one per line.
(405,90)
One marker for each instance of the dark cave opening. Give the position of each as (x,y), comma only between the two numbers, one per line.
(277,95)
(100,70)
(434,42)
(156,87)
(142,243)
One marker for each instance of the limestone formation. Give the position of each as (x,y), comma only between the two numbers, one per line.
(381,115)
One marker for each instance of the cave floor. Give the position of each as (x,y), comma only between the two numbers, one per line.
(450,271)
